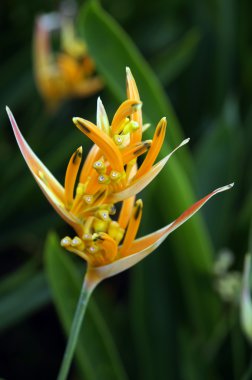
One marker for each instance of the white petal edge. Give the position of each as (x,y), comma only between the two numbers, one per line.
(144,180)
(35,165)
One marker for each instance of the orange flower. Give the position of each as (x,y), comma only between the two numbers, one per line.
(109,175)
(67,73)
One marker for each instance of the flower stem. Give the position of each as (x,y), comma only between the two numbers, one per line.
(86,291)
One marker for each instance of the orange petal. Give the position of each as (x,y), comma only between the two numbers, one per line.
(126,211)
(71,175)
(132,228)
(133,151)
(156,145)
(106,144)
(142,182)
(153,240)
(127,108)
(108,245)
(88,164)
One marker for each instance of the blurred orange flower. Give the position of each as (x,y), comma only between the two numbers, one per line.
(67,72)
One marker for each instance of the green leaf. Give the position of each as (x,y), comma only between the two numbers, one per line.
(172,61)
(26,295)
(112,51)
(96,352)
(219,160)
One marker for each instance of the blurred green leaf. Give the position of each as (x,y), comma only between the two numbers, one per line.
(173,60)
(153,321)
(108,44)
(30,295)
(96,352)
(13,280)
(219,159)
(225,52)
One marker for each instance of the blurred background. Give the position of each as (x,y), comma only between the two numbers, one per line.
(177,314)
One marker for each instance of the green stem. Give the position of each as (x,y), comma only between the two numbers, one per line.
(86,291)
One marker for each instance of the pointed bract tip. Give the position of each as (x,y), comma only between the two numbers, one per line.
(75,119)
(230,185)
(137,106)
(100,105)
(80,149)
(185,141)
(8,111)
(128,71)
(224,188)
(139,203)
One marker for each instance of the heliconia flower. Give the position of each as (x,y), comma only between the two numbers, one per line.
(67,73)
(109,175)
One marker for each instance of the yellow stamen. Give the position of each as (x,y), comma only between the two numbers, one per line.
(65,242)
(99,166)
(115,231)
(100,225)
(156,145)
(103,214)
(132,227)
(115,176)
(71,174)
(120,127)
(130,127)
(119,139)
(103,179)
(127,108)
(76,245)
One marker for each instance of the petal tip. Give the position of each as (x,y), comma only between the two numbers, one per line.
(224,188)
(186,141)
(9,112)
(229,186)
(128,71)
